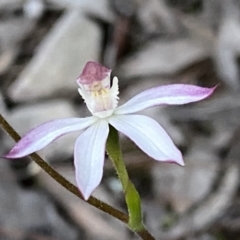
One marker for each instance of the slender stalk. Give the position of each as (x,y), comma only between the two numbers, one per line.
(131,195)
(61,180)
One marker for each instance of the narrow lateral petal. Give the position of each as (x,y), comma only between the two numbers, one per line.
(89,154)
(174,94)
(44,134)
(149,136)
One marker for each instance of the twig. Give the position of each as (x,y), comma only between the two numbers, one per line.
(61,180)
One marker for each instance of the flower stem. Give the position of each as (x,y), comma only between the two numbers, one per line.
(131,195)
(61,180)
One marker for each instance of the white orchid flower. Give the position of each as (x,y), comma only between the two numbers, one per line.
(102,100)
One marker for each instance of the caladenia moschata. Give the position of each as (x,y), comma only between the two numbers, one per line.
(101,131)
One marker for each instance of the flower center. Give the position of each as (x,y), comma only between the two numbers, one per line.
(101,101)
(94,87)
(101,98)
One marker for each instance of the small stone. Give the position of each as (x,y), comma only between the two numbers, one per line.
(12,33)
(10,3)
(53,71)
(31,211)
(156,18)
(184,186)
(36,212)
(222,108)
(33,8)
(2,105)
(228,49)
(99,9)
(163,57)
(84,215)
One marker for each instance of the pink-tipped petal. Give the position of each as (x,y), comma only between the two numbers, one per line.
(174,94)
(44,134)
(149,136)
(89,154)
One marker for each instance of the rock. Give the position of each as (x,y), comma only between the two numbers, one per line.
(28,212)
(33,8)
(2,105)
(99,9)
(12,32)
(59,59)
(124,8)
(161,57)
(220,117)
(228,48)
(156,18)
(31,213)
(218,23)
(183,187)
(6,59)
(9,197)
(212,208)
(37,214)
(205,236)
(84,215)
(24,118)
(10,3)
(223,108)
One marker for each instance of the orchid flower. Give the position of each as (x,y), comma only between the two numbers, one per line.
(102,99)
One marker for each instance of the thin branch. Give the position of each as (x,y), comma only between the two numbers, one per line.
(61,180)
(144,234)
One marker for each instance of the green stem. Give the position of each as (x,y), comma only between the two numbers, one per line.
(131,195)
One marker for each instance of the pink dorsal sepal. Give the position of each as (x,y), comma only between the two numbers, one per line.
(93,72)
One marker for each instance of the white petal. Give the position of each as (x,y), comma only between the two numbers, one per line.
(149,136)
(89,154)
(174,94)
(44,134)
(114,92)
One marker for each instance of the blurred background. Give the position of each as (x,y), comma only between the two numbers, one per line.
(44,45)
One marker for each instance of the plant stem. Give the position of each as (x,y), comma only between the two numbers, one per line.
(63,181)
(131,195)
